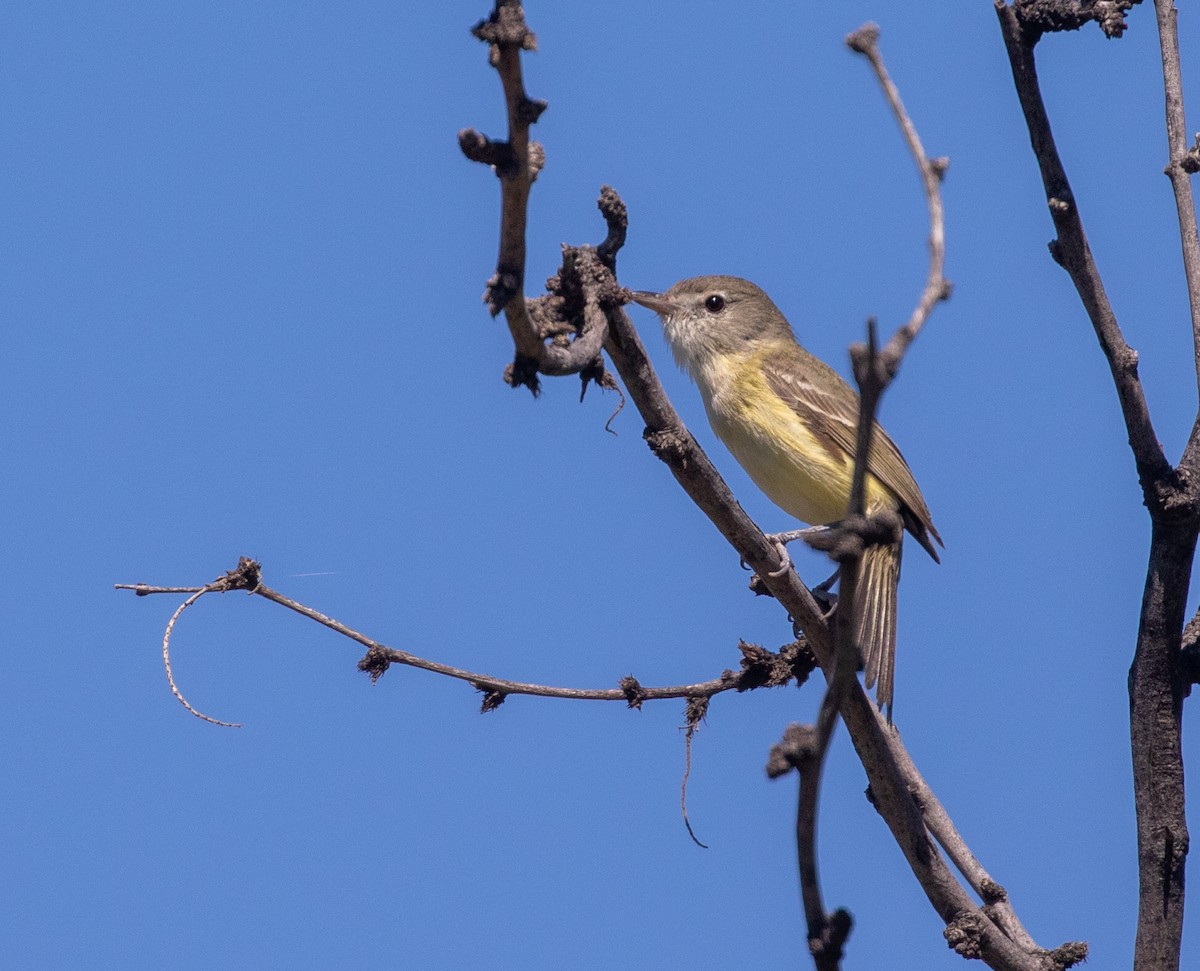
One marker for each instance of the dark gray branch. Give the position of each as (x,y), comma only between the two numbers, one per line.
(802,749)
(1071,251)
(1158,679)
(1182,164)
(517,163)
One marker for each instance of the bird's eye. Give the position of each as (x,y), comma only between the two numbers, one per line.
(714,303)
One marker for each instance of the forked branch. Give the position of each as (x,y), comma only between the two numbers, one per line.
(1158,677)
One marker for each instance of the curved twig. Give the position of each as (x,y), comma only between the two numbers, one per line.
(865,41)
(166,651)
(517,163)
(759,668)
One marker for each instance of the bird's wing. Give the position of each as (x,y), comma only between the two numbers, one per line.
(831,412)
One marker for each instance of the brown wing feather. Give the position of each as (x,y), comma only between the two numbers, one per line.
(831,411)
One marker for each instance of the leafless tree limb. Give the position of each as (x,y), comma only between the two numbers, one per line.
(1071,251)
(1182,165)
(800,749)
(517,163)
(1158,677)
(558,334)
(873,740)
(759,668)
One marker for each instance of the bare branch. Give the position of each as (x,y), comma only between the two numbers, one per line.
(800,749)
(1157,678)
(874,369)
(517,163)
(1179,169)
(759,668)
(1071,251)
(865,41)
(874,741)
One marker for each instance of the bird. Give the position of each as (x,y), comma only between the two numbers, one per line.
(791,422)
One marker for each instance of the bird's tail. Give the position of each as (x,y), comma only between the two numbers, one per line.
(875,609)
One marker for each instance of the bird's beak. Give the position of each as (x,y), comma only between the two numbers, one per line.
(655,301)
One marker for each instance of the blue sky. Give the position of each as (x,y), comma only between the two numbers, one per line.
(242,262)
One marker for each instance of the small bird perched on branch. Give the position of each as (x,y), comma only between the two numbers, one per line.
(791,422)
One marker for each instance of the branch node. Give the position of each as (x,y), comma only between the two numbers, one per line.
(992,892)
(1068,955)
(505,27)
(247,575)
(493,698)
(498,155)
(1039,17)
(537,160)
(634,693)
(523,373)
(1189,655)
(1190,163)
(616,218)
(827,942)
(963,934)
(529,110)
(770,669)
(502,286)
(668,444)
(375,662)
(596,372)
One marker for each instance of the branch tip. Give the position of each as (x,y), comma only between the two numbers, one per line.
(505,27)
(795,750)
(865,39)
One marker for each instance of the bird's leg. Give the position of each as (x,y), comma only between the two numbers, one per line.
(828,601)
(782,539)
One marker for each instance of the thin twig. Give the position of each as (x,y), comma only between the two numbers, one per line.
(759,667)
(695,715)
(826,933)
(865,41)
(166,652)
(1183,163)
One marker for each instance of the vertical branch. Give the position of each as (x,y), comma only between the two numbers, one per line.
(1183,163)
(1157,679)
(1071,251)
(516,163)
(827,933)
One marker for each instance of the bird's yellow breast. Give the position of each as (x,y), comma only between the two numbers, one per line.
(786,460)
